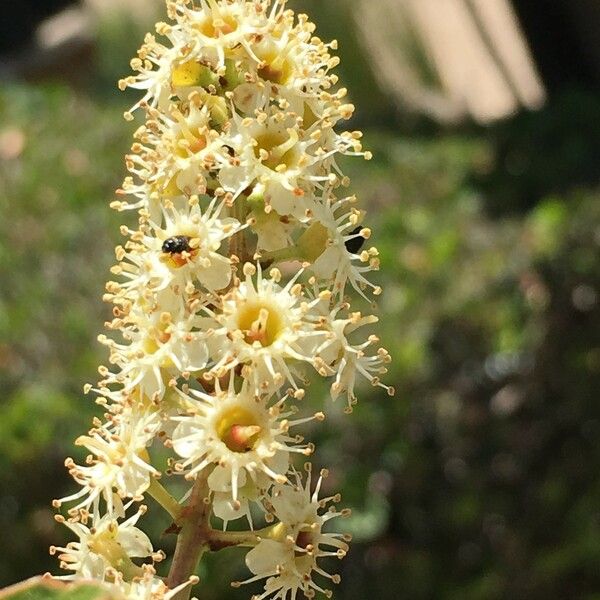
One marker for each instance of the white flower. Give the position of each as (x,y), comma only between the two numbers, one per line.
(267,42)
(147,586)
(264,327)
(160,345)
(270,150)
(219,28)
(180,253)
(325,244)
(118,461)
(337,356)
(240,436)
(224,506)
(273,231)
(154,65)
(289,557)
(175,155)
(103,546)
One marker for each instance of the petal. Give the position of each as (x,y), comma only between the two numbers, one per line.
(266,556)
(135,542)
(223,507)
(220,479)
(218,275)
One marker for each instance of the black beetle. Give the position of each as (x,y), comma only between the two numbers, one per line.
(176,244)
(355,244)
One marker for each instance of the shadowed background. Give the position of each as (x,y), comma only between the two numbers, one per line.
(480,478)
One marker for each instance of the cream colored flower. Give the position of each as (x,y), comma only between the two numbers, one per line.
(325,244)
(289,557)
(176,155)
(182,252)
(273,231)
(118,461)
(337,356)
(269,44)
(148,586)
(103,546)
(273,153)
(250,493)
(159,345)
(240,436)
(265,328)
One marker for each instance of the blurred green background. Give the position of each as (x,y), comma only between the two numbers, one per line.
(480,478)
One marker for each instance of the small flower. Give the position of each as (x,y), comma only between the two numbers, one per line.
(273,230)
(118,461)
(161,345)
(337,356)
(240,436)
(325,245)
(289,557)
(224,506)
(147,586)
(182,252)
(103,546)
(176,155)
(269,151)
(264,327)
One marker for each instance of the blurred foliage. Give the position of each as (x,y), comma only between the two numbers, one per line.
(59,169)
(39,588)
(479,480)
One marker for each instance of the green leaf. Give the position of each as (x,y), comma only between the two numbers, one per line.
(46,588)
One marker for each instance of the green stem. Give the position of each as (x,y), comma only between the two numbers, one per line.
(162,496)
(289,253)
(192,541)
(224,539)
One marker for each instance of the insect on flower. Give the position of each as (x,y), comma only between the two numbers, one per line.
(355,244)
(176,244)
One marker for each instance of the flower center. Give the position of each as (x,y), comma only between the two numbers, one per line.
(304,539)
(260,323)
(155,339)
(104,543)
(276,67)
(194,142)
(238,429)
(214,27)
(166,187)
(280,147)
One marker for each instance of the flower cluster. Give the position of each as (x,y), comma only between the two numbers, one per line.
(228,294)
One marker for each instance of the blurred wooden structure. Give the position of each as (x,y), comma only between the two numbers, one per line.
(450,58)
(62,46)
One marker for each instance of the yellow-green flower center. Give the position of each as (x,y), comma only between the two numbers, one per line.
(280,148)
(238,429)
(215,27)
(260,323)
(275,67)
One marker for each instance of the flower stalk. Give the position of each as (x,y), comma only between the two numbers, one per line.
(164,499)
(230,291)
(193,539)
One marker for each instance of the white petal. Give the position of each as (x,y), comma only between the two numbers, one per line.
(218,275)
(266,556)
(223,507)
(135,542)
(220,479)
